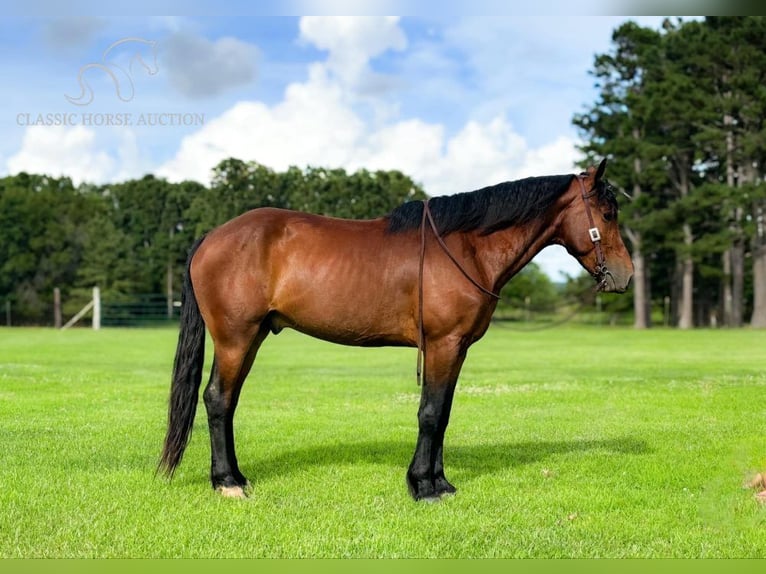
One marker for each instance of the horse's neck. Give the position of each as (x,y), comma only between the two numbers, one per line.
(504,253)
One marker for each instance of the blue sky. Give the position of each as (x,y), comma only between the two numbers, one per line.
(455,102)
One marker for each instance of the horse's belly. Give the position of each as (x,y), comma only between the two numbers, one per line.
(353,288)
(362,329)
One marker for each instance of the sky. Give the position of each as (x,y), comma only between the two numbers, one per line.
(455,102)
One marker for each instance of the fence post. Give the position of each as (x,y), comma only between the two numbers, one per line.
(96,309)
(57,308)
(169,288)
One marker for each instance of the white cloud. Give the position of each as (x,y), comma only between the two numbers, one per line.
(352,42)
(312,125)
(77,152)
(557,263)
(479,154)
(315,125)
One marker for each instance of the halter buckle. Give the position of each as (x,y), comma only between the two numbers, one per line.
(594,234)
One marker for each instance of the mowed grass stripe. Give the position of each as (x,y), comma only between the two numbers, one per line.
(574,442)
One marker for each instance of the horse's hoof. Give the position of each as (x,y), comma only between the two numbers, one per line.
(761,497)
(422,491)
(232,491)
(443,488)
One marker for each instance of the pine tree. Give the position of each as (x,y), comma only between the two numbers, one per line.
(617,127)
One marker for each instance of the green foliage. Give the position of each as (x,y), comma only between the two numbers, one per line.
(43,232)
(238,186)
(680,114)
(564,443)
(132,237)
(530,293)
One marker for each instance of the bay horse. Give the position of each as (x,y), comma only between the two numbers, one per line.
(395,280)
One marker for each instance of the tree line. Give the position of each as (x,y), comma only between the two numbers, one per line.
(132,237)
(681,114)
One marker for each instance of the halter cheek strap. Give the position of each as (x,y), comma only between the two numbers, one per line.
(595,236)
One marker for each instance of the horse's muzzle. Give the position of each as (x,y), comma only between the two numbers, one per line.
(609,282)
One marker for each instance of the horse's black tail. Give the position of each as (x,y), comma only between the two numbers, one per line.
(187,375)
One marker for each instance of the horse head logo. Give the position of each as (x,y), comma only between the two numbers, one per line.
(122,77)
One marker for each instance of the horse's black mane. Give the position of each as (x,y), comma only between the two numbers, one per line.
(495,207)
(488,209)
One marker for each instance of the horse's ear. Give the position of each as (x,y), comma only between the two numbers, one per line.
(600,171)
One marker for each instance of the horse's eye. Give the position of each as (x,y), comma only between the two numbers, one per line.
(609,216)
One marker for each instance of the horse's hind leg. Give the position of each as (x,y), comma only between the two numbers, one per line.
(230,368)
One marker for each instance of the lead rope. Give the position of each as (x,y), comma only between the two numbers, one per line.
(446,250)
(421,330)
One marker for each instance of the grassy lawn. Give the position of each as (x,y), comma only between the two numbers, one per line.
(574,442)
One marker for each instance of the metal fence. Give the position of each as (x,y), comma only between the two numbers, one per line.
(143,310)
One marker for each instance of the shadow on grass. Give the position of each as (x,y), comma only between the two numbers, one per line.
(474,461)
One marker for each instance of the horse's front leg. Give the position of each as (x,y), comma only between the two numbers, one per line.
(425,476)
(442,486)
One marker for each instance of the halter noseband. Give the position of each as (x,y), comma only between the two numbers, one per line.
(601,272)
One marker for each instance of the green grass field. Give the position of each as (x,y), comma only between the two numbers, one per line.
(574,442)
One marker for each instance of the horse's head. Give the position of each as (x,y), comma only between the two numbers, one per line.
(590,232)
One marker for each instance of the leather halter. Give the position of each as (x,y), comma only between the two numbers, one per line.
(600,272)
